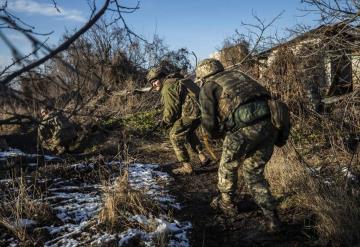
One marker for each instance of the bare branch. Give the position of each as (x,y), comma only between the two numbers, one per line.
(61,48)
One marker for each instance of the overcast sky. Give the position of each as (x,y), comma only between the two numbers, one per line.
(199,25)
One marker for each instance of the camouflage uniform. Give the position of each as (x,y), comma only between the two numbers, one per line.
(56,133)
(181,111)
(242,117)
(251,146)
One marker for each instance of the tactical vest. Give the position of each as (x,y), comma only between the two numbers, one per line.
(237,89)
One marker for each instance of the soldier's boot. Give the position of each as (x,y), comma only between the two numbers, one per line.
(272,221)
(185,169)
(203,159)
(224,203)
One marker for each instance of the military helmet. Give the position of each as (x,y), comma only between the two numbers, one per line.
(208,67)
(156,72)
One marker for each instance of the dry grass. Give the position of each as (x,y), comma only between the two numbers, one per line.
(19,205)
(93,171)
(324,203)
(121,202)
(307,172)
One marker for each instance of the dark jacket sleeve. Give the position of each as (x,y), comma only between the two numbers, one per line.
(170,95)
(209,95)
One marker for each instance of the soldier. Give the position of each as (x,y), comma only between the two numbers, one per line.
(55,133)
(181,112)
(234,107)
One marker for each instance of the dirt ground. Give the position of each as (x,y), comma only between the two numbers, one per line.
(211,228)
(195,192)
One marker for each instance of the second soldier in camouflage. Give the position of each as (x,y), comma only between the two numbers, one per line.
(234,107)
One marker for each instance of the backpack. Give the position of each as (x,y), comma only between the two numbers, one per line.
(280,118)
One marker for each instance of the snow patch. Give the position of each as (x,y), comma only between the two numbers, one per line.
(77,206)
(13,152)
(26,223)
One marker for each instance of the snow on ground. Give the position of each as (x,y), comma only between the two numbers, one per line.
(13,152)
(77,205)
(146,177)
(78,210)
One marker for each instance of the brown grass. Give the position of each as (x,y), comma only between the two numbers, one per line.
(121,202)
(98,171)
(324,203)
(307,172)
(18,205)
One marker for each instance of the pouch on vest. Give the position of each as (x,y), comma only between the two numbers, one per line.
(280,118)
(250,112)
(237,89)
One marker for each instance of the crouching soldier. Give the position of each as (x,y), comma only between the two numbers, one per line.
(234,107)
(181,113)
(55,132)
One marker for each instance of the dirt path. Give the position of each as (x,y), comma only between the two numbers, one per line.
(214,229)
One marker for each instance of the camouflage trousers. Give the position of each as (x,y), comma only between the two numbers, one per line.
(251,147)
(182,134)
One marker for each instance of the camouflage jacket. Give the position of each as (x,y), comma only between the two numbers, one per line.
(180,99)
(56,128)
(222,96)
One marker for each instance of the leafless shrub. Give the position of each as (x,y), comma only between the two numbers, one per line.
(235,50)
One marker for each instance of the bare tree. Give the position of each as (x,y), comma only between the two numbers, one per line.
(11,21)
(14,99)
(334,11)
(240,49)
